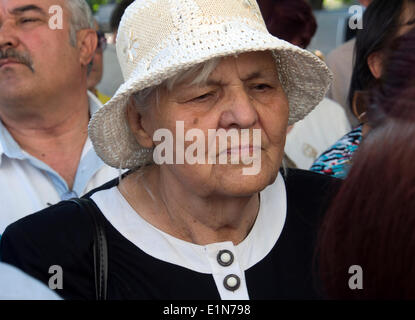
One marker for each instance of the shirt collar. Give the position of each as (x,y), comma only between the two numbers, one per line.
(11,149)
(259,242)
(8,146)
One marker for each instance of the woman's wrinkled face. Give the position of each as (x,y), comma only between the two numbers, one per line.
(243,94)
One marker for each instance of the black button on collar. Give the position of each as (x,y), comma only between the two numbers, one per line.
(232,282)
(225,258)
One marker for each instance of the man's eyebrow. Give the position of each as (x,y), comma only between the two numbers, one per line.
(30,7)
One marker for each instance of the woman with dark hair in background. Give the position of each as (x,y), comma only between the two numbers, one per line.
(291,20)
(294,21)
(371,222)
(383,21)
(340,62)
(117,15)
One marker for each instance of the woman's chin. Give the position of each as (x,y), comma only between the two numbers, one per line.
(235,181)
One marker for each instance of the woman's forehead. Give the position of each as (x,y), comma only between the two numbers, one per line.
(245,66)
(247,63)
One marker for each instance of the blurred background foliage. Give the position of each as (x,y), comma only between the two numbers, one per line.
(95,4)
(316,4)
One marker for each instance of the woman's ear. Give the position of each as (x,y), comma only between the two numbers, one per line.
(135,121)
(375,63)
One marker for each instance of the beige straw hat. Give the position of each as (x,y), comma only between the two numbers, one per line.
(159,38)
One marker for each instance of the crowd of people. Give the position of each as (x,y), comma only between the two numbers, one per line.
(82,189)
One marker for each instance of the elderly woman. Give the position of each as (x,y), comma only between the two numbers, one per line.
(180,226)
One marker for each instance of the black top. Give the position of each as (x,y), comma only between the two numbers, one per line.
(62,235)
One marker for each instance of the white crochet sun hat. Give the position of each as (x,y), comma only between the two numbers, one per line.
(159,38)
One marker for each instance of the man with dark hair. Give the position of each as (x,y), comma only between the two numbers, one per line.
(117,15)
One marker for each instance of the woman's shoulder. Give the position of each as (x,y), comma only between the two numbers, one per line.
(65,217)
(308,181)
(60,235)
(54,240)
(42,224)
(309,185)
(309,193)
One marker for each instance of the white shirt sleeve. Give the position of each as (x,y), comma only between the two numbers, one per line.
(16,285)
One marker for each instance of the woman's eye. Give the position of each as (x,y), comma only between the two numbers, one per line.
(262,86)
(202,97)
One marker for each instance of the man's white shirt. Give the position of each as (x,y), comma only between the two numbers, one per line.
(317,132)
(28,185)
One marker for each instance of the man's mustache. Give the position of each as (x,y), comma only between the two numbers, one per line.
(23,57)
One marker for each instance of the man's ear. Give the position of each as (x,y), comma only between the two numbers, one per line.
(375,63)
(87,41)
(135,121)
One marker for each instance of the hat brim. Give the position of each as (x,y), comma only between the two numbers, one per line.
(304,77)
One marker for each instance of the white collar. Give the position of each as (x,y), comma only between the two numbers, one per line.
(259,242)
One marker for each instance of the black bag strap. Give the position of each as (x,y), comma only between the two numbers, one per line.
(100,247)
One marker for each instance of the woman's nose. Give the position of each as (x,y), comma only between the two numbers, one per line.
(238,111)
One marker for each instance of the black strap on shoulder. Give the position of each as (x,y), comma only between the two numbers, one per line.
(100,247)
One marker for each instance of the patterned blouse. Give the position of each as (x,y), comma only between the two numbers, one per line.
(336,160)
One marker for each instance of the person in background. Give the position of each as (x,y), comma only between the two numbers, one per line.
(340,61)
(112,76)
(384,21)
(371,221)
(96,68)
(117,15)
(293,21)
(16,285)
(45,153)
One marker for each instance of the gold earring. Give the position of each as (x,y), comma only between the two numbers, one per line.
(359,105)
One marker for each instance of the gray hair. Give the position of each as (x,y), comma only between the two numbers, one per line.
(200,74)
(81,18)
